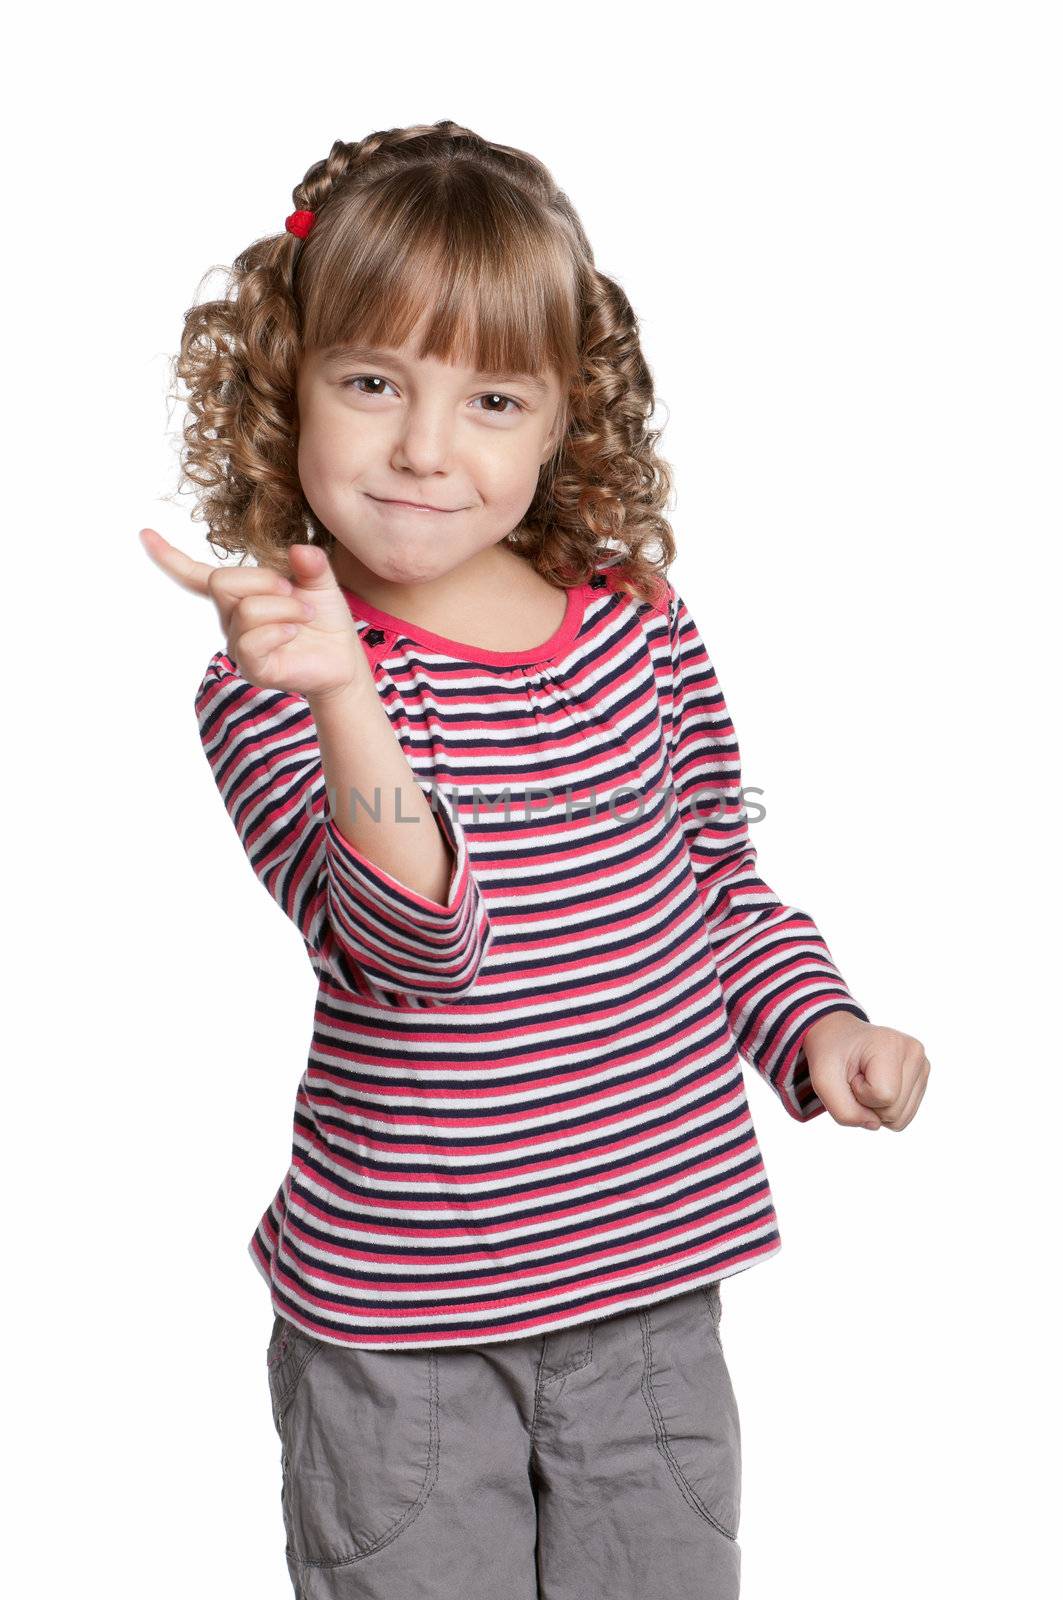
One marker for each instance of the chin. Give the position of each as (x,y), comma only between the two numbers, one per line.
(394,567)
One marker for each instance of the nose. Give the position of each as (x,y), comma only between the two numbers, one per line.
(425,440)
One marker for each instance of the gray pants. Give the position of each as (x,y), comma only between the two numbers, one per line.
(599,1462)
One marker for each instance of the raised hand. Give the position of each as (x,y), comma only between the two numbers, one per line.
(283,633)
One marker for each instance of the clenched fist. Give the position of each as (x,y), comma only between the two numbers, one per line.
(865,1075)
(295,634)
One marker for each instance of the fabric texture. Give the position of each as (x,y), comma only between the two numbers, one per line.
(525,1109)
(602,1459)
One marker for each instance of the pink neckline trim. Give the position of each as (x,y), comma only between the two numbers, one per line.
(575,607)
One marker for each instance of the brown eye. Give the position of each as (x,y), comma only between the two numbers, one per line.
(365,377)
(506,399)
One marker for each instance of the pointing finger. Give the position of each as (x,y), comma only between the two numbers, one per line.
(190,574)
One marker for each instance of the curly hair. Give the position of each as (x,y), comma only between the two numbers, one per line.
(428,218)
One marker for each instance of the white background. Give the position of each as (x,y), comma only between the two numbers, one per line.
(840,227)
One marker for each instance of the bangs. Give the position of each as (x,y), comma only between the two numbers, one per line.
(491,280)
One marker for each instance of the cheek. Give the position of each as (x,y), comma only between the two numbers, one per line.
(327,452)
(509,475)
(312,481)
(304,460)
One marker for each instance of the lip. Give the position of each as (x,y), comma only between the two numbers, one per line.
(413,505)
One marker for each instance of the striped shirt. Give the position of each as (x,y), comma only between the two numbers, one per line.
(525,1109)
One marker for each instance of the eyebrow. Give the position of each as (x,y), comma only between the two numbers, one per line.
(340,353)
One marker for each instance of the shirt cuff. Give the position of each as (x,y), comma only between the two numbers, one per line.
(790,1077)
(397,936)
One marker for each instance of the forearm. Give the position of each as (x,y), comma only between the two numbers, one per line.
(373,795)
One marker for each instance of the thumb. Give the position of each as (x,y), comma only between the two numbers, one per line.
(875,1085)
(837,1089)
(311,567)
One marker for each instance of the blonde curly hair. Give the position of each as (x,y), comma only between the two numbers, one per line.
(407,220)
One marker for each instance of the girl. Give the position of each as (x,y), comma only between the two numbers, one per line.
(473,744)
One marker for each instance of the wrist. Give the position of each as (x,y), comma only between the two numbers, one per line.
(833,1022)
(328,701)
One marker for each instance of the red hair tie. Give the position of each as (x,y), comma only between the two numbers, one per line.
(300,223)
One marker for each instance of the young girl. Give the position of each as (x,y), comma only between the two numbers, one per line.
(473,744)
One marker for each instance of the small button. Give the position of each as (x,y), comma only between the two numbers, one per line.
(375,636)
(598,581)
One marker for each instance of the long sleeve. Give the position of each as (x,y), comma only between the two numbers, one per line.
(371,934)
(775,969)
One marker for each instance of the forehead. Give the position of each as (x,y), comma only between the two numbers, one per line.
(352,350)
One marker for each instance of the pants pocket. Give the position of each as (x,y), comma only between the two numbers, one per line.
(712,1294)
(359,1433)
(694,1409)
